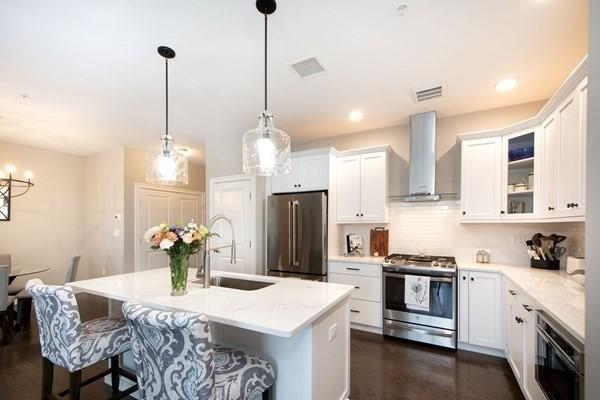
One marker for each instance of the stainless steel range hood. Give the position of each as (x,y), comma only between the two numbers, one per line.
(421,184)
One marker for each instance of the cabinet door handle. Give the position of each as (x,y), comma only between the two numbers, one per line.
(352,269)
(575,205)
(355,311)
(519,320)
(464,278)
(550,208)
(569,205)
(362,215)
(357,215)
(512,292)
(472,279)
(356,287)
(527,308)
(502,212)
(464,213)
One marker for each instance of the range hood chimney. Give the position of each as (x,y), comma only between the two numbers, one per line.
(421,184)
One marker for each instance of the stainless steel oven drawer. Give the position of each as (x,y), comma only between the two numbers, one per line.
(420,333)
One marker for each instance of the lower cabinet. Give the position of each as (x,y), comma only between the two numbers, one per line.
(365,300)
(480,309)
(520,321)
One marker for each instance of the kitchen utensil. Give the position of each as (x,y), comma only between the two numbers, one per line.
(379,242)
(559,252)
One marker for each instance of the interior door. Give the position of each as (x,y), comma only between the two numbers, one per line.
(169,206)
(232,197)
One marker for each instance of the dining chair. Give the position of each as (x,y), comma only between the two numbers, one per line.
(176,359)
(67,342)
(6,302)
(24,299)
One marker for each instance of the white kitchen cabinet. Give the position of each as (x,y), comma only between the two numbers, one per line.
(521,339)
(481,179)
(480,309)
(551,146)
(571,116)
(365,300)
(362,188)
(309,172)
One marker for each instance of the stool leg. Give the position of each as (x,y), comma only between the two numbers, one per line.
(47,377)
(114,373)
(74,385)
(267,394)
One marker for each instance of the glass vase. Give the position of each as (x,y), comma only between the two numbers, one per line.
(179,272)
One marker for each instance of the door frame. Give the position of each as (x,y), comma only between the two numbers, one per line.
(138,186)
(212,182)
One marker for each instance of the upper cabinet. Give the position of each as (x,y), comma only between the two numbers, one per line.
(481,178)
(362,179)
(309,172)
(533,171)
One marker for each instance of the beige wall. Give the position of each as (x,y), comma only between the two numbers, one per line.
(103,247)
(135,172)
(447,150)
(46,226)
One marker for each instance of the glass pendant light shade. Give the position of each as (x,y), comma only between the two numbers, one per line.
(266,149)
(167,167)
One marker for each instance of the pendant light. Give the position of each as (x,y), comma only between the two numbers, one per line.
(266,149)
(167,166)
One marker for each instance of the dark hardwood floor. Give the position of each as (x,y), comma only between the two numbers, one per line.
(390,369)
(382,369)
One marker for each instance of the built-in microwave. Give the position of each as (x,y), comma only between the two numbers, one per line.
(559,361)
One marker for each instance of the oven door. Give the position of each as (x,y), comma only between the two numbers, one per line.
(442,302)
(556,369)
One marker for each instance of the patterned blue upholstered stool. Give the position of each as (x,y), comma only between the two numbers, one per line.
(176,359)
(67,342)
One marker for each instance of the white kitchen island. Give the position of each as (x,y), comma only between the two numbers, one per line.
(302,327)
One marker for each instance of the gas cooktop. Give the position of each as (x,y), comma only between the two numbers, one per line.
(420,262)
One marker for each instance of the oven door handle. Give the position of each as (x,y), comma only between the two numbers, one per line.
(559,351)
(431,278)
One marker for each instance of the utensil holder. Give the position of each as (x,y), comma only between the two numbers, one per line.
(545,264)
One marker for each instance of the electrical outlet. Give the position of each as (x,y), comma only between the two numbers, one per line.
(333,331)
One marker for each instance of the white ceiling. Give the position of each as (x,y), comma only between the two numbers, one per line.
(94,78)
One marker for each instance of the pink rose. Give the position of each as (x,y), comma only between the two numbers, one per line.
(172,236)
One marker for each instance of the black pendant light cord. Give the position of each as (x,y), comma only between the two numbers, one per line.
(265,61)
(166,97)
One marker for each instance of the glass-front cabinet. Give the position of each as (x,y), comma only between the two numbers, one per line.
(520,174)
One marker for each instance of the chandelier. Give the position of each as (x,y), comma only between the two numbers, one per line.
(11,187)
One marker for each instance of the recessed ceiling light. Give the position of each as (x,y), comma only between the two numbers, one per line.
(506,84)
(356,116)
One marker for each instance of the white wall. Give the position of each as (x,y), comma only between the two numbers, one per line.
(103,247)
(592,328)
(434,228)
(46,225)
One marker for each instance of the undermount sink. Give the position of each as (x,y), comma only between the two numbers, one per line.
(234,283)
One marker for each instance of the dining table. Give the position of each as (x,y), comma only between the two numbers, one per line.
(24,270)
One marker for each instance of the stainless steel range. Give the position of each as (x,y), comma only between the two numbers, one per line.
(434,324)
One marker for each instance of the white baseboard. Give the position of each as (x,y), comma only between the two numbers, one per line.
(482,350)
(366,328)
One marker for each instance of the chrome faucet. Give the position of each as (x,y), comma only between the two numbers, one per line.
(204,267)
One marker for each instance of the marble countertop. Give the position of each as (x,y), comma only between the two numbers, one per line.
(555,292)
(357,259)
(282,309)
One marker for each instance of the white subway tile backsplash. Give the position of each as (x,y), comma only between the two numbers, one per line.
(435,228)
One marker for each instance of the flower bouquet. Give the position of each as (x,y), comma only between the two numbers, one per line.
(179,242)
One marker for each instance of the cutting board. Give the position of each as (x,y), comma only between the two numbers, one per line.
(379,241)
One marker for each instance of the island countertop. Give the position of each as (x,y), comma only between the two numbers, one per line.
(282,309)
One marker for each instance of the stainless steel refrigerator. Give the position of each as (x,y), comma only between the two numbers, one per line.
(297,235)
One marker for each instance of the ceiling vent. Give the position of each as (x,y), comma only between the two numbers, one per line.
(308,67)
(429,91)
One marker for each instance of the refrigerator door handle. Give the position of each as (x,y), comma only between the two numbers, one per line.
(295,205)
(290,229)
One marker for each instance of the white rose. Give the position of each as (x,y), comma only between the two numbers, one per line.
(151,232)
(192,226)
(188,238)
(166,244)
